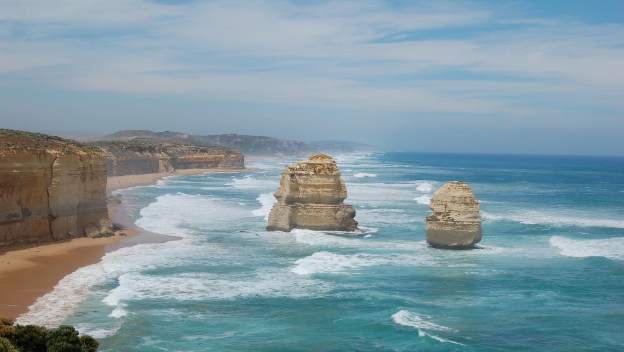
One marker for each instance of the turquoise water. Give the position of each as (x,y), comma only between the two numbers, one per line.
(549,274)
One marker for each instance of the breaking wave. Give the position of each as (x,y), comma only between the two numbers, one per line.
(531,217)
(424,327)
(171,214)
(424,200)
(611,248)
(364,174)
(328,262)
(207,286)
(250,182)
(266,200)
(425,187)
(380,193)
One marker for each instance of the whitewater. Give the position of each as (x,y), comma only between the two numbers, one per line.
(549,272)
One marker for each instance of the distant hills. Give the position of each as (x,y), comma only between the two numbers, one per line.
(247,144)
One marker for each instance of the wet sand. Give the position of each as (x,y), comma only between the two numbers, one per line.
(26,274)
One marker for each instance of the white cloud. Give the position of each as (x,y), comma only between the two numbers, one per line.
(330,54)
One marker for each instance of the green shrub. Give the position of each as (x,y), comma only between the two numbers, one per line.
(30,338)
(33,338)
(63,339)
(88,343)
(6,346)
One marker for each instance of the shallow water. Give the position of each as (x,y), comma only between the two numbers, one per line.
(549,273)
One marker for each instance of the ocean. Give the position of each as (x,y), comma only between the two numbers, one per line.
(548,275)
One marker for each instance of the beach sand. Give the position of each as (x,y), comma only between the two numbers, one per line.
(28,273)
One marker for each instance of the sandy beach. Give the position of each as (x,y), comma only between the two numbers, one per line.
(28,273)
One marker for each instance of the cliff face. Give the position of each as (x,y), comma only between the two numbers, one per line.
(146,156)
(50,189)
(455,221)
(310,196)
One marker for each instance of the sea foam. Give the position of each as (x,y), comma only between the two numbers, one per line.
(423,200)
(425,187)
(381,193)
(171,212)
(364,174)
(611,248)
(328,262)
(266,201)
(410,319)
(169,215)
(532,217)
(250,182)
(207,286)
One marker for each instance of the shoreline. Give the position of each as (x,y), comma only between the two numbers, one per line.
(28,273)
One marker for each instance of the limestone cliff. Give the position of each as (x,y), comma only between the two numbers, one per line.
(50,189)
(455,221)
(310,196)
(144,156)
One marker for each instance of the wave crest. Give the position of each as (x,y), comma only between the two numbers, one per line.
(531,217)
(610,248)
(419,322)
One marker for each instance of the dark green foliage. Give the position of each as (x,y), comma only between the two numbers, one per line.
(88,343)
(30,338)
(33,338)
(63,339)
(6,346)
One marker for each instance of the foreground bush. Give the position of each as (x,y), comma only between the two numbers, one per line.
(30,338)
(6,346)
(33,338)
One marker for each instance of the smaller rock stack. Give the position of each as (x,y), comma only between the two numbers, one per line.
(311,196)
(455,222)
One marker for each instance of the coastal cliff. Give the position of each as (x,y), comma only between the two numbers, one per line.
(310,196)
(50,189)
(144,156)
(247,144)
(455,222)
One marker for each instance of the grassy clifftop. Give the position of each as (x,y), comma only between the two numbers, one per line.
(11,140)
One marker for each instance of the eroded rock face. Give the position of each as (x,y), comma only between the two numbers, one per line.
(139,156)
(311,196)
(50,189)
(455,221)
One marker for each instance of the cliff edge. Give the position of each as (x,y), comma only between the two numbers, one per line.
(50,189)
(146,156)
(310,196)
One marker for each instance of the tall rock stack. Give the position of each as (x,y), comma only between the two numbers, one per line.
(50,189)
(311,196)
(455,222)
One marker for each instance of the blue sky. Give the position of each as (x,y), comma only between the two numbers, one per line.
(475,76)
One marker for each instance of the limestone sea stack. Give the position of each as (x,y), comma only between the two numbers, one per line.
(50,189)
(310,196)
(455,222)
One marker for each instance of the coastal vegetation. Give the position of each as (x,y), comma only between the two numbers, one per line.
(34,338)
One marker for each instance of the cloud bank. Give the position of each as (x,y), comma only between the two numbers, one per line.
(362,60)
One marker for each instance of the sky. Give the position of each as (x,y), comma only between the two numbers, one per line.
(535,77)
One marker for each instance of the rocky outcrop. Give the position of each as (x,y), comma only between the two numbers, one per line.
(455,222)
(310,196)
(50,189)
(144,156)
